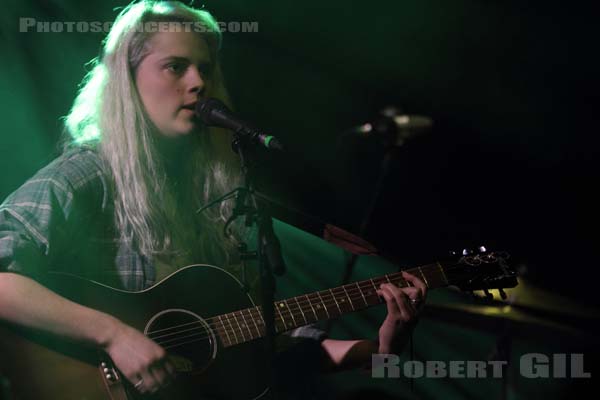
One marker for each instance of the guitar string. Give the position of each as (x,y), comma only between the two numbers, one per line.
(305,307)
(252,313)
(304,304)
(351,295)
(241,331)
(327,292)
(252,337)
(231,343)
(230,316)
(393,276)
(235,331)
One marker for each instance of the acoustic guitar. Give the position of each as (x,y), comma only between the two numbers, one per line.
(209,326)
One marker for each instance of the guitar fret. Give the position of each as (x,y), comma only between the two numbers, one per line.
(278,328)
(319,303)
(373,283)
(225,329)
(336,303)
(324,305)
(443,273)
(280,315)
(423,276)
(290,311)
(350,300)
(311,306)
(261,320)
(362,294)
(254,322)
(374,286)
(245,324)
(239,326)
(232,331)
(300,307)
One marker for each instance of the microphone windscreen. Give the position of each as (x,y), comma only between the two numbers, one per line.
(205,108)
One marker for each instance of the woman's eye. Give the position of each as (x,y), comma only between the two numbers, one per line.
(176,68)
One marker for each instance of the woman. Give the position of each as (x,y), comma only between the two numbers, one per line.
(136,166)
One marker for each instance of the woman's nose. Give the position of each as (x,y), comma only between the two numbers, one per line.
(195,80)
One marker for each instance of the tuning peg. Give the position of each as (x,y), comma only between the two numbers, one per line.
(502,293)
(482,250)
(488,295)
(467,252)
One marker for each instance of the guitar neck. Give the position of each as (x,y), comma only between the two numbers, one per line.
(248,324)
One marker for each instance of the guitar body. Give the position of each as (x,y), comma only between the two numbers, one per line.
(176,313)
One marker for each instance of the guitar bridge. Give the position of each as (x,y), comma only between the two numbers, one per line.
(112,381)
(109,373)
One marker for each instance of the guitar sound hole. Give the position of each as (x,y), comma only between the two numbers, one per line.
(186,337)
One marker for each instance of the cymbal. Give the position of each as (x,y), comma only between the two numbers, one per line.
(498,319)
(527,295)
(528,309)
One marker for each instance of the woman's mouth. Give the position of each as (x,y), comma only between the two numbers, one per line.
(190,106)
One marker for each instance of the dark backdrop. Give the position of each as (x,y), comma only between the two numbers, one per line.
(510,85)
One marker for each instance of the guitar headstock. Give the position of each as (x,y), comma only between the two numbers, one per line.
(480,269)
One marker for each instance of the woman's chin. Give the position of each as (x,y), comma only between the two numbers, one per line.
(180,131)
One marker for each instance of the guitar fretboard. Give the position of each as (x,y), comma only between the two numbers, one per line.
(248,324)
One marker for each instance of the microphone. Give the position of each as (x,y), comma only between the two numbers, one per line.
(212,112)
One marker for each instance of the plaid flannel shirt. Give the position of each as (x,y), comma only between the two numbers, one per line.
(62,220)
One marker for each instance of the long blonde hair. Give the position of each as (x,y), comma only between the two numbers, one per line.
(108,114)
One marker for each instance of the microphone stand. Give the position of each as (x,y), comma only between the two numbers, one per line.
(268,251)
(395,129)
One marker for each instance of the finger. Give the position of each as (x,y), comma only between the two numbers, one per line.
(149,384)
(413,298)
(389,299)
(170,367)
(385,287)
(392,307)
(416,282)
(399,303)
(135,380)
(403,303)
(131,376)
(412,293)
(415,301)
(161,375)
